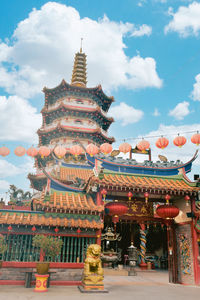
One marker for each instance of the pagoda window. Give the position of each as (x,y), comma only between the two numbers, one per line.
(79,101)
(77,121)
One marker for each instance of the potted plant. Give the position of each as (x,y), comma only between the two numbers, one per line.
(50,247)
(3,248)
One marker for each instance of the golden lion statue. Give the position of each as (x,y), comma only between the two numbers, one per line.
(93,271)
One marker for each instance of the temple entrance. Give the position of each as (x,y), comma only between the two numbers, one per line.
(150,239)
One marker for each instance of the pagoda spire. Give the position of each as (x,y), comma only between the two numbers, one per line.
(79,77)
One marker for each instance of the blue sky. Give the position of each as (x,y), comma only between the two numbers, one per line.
(144,53)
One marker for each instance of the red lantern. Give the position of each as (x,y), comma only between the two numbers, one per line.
(130,195)
(125,148)
(162,142)
(167,211)
(76,150)
(167,198)
(179,141)
(32,152)
(9,228)
(104,193)
(4,151)
(56,230)
(106,148)
(44,151)
(78,231)
(92,149)
(33,228)
(20,151)
(146,196)
(60,151)
(117,208)
(187,199)
(195,139)
(143,145)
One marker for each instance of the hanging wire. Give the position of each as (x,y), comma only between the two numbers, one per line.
(156,136)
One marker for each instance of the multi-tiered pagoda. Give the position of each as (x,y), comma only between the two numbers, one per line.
(73,114)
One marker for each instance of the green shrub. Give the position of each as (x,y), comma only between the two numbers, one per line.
(50,245)
(3,245)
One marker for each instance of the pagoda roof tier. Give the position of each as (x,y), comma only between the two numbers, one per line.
(50,219)
(64,89)
(95,134)
(69,202)
(64,110)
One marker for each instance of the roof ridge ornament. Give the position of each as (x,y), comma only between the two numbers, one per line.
(81,45)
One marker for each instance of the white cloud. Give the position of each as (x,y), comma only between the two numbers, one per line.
(156,113)
(186,21)
(141,30)
(7,169)
(180,111)
(125,113)
(142,73)
(19,120)
(196,89)
(42,49)
(141,3)
(4,185)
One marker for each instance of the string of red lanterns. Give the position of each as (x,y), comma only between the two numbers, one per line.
(92,149)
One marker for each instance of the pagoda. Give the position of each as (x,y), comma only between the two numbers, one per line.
(72,114)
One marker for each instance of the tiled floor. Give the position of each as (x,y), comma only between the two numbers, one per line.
(142,278)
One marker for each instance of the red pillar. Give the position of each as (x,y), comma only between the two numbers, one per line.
(98,202)
(99,199)
(98,240)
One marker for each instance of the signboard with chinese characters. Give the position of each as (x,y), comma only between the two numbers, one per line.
(140,209)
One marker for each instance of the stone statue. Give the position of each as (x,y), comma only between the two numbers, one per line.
(93,271)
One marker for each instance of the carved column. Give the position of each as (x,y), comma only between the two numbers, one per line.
(143,241)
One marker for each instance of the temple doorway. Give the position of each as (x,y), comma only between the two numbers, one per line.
(150,239)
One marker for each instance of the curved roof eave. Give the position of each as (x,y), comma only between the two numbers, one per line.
(97,89)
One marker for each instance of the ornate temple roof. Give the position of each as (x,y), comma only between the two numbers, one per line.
(70,202)
(37,181)
(131,166)
(174,184)
(119,181)
(50,219)
(67,174)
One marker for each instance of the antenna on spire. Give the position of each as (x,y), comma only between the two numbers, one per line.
(81,45)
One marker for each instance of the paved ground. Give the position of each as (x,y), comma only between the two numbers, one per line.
(145,286)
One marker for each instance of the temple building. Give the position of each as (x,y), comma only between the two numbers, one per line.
(103,199)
